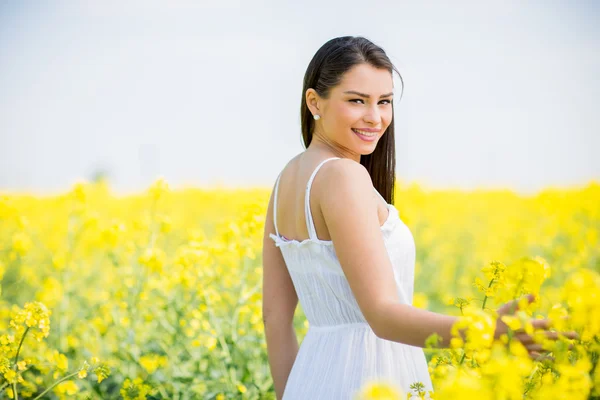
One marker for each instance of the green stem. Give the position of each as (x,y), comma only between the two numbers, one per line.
(16,361)
(56,383)
(485,298)
(483,305)
(483,308)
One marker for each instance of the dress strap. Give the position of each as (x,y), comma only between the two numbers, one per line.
(275,203)
(310,224)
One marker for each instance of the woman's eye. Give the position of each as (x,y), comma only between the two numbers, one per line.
(386,101)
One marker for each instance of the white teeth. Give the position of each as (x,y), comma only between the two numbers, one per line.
(370,134)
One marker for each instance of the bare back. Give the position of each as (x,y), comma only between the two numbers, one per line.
(290,202)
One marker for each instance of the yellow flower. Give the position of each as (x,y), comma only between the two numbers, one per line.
(575,379)
(158,189)
(456,343)
(581,293)
(153,258)
(478,326)
(165,223)
(520,320)
(420,300)
(379,390)
(494,270)
(506,374)
(79,192)
(211,343)
(460,302)
(200,263)
(33,315)
(557,315)
(62,362)
(135,390)
(151,362)
(10,375)
(513,323)
(463,384)
(67,387)
(433,340)
(524,276)
(102,372)
(21,243)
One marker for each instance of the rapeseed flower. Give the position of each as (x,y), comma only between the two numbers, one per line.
(379,390)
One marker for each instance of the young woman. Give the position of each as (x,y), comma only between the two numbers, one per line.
(334,240)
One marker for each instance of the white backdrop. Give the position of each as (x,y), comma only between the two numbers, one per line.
(207,93)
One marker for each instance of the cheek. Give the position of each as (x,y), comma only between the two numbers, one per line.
(346,114)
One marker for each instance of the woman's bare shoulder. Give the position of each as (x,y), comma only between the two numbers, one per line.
(345,174)
(291,163)
(341,186)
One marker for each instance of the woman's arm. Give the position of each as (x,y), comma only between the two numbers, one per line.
(411,325)
(279,303)
(282,348)
(349,207)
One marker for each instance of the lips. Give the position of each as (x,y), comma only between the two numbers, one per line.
(365,133)
(366,138)
(369,130)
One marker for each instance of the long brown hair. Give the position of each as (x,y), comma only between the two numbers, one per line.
(324,72)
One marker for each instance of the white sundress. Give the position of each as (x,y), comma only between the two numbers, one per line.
(340,351)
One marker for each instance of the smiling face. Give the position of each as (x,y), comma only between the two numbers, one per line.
(357,112)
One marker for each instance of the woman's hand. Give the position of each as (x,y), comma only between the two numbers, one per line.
(534,349)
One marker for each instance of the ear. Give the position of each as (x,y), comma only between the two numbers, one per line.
(313,101)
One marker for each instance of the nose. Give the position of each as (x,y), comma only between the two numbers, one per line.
(373,115)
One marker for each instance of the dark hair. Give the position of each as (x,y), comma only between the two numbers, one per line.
(324,72)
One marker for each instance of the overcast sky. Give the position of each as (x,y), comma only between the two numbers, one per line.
(500,93)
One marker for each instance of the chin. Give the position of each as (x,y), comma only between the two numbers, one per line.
(366,152)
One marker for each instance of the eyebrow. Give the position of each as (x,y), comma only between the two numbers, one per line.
(366,95)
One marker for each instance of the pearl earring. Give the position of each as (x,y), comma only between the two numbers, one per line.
(316,117)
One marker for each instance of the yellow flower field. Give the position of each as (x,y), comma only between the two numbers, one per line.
(158,295)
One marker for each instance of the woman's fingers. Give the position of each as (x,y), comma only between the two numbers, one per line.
(571,335)
(535,356)
(541,323)
(555,335)
(513,305)
(536,350)
(537,347)
(524,338)
(534,347)
(545,324)
(537,324)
